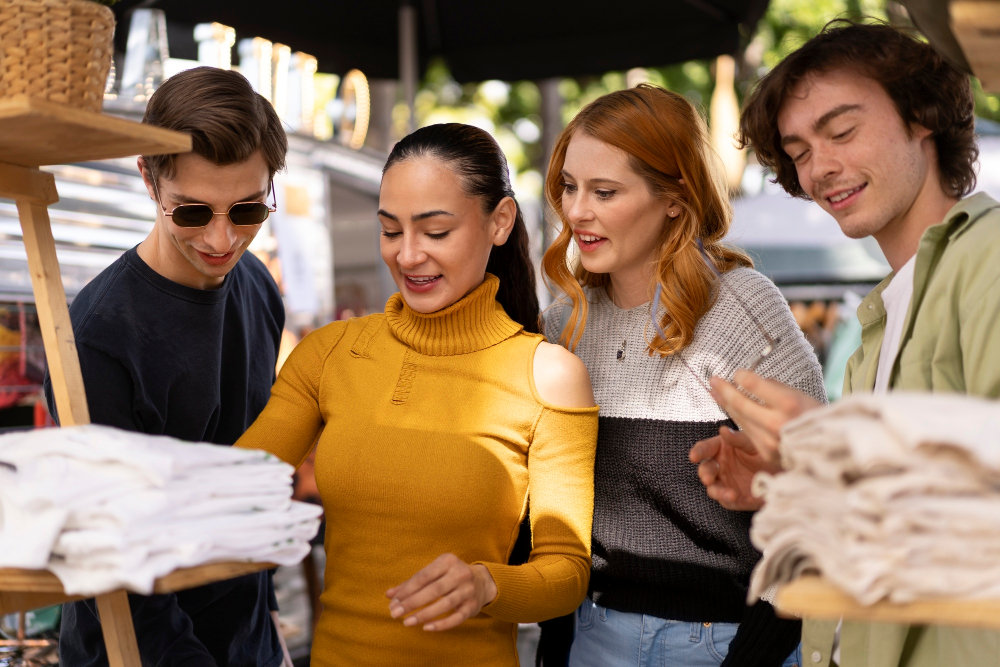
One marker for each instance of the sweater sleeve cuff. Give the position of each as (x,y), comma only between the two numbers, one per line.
(512,590)
(525,595)
(763,639)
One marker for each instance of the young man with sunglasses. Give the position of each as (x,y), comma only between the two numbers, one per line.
(180,337)
(877,129)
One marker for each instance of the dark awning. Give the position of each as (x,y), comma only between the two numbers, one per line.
(511,40)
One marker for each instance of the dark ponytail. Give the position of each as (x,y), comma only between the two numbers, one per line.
(477,159)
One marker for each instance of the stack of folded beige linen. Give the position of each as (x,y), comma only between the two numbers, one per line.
(894,497)
(104,508)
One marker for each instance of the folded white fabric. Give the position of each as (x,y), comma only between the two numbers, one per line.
(104,508)
(88,560)
(893,497)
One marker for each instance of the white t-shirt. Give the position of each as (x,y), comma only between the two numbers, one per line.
(896,298)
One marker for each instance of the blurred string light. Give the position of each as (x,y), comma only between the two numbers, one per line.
(255,64)
(280,57)
(308,101)
(302,91)
(287,80)
(264,49)
(356,113)
(215,44)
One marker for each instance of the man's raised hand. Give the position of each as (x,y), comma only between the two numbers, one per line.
(761,422)
(726,466)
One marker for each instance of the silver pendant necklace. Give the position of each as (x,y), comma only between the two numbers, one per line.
(622,330)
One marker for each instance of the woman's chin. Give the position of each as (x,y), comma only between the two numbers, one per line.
(431,296)
(596,265)
(429,301)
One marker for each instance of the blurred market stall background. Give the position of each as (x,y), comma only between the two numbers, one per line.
(349,79)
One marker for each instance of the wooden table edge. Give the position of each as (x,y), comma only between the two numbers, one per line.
(41,588)
(814,597)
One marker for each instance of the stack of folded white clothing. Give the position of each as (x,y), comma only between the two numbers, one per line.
(104,508)
(894,497)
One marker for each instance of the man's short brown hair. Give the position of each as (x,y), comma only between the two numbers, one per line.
(926,90)
(227,119)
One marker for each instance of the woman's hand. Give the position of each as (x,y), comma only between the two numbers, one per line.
(447,585)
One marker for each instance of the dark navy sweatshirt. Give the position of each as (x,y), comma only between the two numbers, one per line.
(162,358)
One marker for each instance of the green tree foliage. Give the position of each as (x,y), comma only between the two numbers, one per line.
(788,24)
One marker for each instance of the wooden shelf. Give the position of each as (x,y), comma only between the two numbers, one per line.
(36,132)
(812,597)
(22,590)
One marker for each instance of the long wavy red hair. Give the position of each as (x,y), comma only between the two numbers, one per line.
(666,141)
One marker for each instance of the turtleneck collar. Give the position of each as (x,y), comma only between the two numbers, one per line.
(474,322)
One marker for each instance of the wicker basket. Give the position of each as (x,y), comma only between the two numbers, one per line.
(58,50)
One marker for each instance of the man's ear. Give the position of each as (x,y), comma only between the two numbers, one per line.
(147,176)
(504,216)
(919,131)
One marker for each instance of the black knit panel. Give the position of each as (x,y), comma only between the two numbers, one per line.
(661,546)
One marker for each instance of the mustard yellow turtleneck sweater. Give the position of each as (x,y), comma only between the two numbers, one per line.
(431,433)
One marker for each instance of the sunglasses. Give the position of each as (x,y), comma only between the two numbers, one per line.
(770,343)
(244,213)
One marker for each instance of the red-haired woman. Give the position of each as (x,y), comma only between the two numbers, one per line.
(644,209)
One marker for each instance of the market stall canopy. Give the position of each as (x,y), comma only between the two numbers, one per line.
(513,40)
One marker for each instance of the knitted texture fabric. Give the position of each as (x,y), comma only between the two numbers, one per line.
(661,546)
(430,434)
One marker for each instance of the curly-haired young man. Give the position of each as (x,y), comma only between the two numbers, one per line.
(877,129)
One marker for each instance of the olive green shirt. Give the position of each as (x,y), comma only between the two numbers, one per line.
(950,343)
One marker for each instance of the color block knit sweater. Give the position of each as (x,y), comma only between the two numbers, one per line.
(661,546)
(430,434)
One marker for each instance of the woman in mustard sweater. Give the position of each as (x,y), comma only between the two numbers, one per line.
(434,420)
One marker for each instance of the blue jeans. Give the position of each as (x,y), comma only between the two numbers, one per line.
(609,638)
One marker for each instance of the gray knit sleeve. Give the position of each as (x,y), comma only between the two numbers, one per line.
(793,362)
